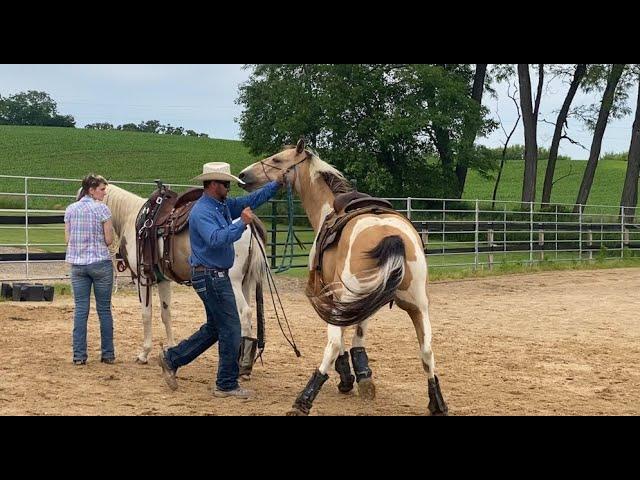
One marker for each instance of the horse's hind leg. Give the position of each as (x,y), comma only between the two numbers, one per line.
(366,387)
(164,291)
(420,316)
(304,401)
(343,368)
(248,345)
(143,356)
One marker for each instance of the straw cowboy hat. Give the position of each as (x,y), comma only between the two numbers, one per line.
(217,171)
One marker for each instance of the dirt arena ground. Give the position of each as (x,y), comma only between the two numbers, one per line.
(558,343)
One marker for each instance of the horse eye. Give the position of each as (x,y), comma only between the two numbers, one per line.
(277,160)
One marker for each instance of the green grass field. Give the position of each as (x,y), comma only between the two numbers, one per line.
(606,190)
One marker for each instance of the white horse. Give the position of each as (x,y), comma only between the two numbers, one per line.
(246,274)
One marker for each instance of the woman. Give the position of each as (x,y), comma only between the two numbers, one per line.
(88,234)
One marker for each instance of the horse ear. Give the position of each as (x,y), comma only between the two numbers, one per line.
(301,145)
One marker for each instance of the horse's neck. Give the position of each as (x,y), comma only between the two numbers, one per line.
(317,198)
(124,208)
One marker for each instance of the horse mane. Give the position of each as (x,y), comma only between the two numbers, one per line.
(331,175)
(122,205)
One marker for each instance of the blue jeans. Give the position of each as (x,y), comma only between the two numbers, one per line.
(100,274)
(223,326)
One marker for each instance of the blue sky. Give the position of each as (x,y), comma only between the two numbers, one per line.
(202,98)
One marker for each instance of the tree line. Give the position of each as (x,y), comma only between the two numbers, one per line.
(34,108)
(411,129)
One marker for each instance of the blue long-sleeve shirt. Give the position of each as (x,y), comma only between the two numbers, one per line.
(212,231)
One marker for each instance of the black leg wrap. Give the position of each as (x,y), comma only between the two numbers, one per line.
(247,354)
(360,363)
(344,369)
(437,405)
(304,402)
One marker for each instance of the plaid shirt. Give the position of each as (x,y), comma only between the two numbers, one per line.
(86,233)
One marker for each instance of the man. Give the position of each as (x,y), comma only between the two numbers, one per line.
(212,235)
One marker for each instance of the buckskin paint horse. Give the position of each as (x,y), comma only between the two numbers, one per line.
(375,257)
(246,274)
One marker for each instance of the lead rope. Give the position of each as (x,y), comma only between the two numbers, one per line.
(270,282)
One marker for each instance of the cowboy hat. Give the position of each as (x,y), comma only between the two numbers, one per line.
(216,171)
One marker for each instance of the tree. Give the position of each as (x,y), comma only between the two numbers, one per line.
(99,126)
(471,131)
(614,74)
(561,122)
(630,190)
(379,123)
(506,142)
(128,127)
(32,108)
(530,120)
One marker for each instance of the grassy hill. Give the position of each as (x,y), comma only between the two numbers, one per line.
(606,190)
(132,156)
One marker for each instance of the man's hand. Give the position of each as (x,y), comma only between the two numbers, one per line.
(247,216)
(282,178)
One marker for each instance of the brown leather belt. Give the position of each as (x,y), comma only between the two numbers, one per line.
(211,271)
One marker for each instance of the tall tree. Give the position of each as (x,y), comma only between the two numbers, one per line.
(471,131)
(32,108)
(561,122)
(529,120)
(630,190)
(613,78)
(382,124)
(508,136)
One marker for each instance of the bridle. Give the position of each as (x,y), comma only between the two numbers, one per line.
(294,167)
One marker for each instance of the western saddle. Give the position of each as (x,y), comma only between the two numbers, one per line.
(164,215)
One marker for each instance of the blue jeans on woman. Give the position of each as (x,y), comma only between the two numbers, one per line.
(100,275)
(223,326)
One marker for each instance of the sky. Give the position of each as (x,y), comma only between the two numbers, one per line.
(202,98)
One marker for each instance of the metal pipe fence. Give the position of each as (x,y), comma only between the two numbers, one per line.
(458,234)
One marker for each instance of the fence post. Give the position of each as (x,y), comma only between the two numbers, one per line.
(541,243)
(274,233)
(580,232)
(409,208)
(530,233)
(590,243)
(26,224)
(490,242)
(477,235)
(622,229)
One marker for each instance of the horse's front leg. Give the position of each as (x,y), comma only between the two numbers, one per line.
(304,402)
(164,291)
(143,356)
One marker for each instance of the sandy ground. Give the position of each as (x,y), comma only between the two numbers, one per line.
(560,343)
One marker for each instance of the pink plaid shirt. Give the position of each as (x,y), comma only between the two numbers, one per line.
(86,233)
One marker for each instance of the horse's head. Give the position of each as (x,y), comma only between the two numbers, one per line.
(268,169)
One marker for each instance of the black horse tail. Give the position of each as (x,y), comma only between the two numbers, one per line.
(378,289)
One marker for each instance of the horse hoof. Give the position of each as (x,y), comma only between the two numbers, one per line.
(245,377)
(296,413)
(140,361)
(367,389)
(439,414)
(345,389)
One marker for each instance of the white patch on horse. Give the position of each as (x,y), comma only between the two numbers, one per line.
(358,286)
(324,211)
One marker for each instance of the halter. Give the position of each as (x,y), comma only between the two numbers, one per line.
(294,166)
